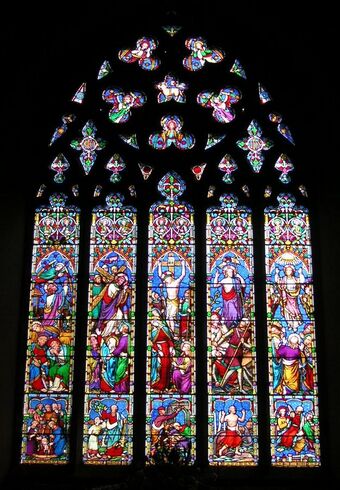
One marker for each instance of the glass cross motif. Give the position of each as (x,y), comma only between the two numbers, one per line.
(116,164)
(283,164)
(254,145)
(88,145)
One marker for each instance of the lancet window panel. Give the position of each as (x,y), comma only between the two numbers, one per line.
(109,386)
(171,387)
(293,383)
(232,383)
(51,334)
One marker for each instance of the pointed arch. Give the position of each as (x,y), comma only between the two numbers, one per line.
(51,332)
(293,388)
(171,389)
(108,411)
(232,384)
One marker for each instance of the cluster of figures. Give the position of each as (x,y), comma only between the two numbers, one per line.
(291,331)
(109,339)
(230,330)
(296,431)
(292,360)
(45,436)
(171,332)
(170,434)
(234,437)
(107,433)
(61,230)
(51,331)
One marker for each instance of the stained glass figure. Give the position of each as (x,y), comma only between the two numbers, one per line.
(213,140)
(115,165)
(104,70)
(291,336)
(41,190)
(171,89)
(142,54)
(172,135)
(172,30)
(228,166)
(97,190)
(284,164)
(264,95)
(146,170)
(60,130)
(238,69)
(220,103)
(108,421)
(122,103)
(171,388)
(303,190)
(232,387)
(130,140)
(79,96)
(268,191)
(282,128)
(51,331)
(198,170)
(200,54)
(132,191)
(59,165)
(254,144)
(211,191)
(88,145)
(75,190)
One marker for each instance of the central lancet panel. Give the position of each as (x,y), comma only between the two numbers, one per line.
(232,388)
(170,413)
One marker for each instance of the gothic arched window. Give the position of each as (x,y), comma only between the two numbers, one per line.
(174,307)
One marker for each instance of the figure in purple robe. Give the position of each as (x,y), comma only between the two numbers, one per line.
(233,287)
(182,371)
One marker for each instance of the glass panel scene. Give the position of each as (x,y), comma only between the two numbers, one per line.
(51,331)
(110,336)
(293,380)
(232,386)
(170,412)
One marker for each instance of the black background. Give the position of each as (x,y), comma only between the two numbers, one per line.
(47,51)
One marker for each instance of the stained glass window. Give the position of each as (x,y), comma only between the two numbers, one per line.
(230,150)
(170,411)
(110,335)
(232,387)
(51,331)
(291,336)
